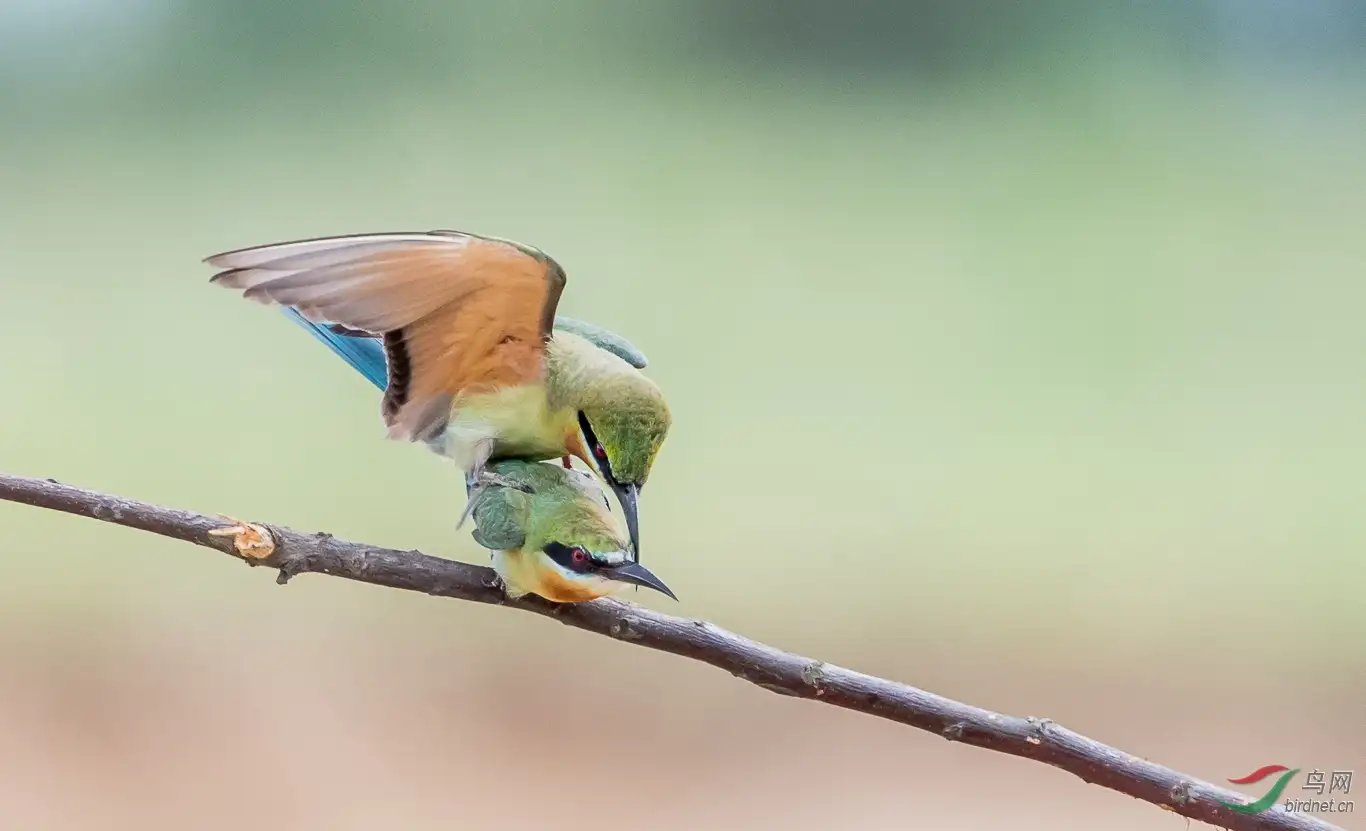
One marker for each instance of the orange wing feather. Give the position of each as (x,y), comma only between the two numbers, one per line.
(460,314)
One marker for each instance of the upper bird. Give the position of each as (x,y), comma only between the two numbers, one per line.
(475,365)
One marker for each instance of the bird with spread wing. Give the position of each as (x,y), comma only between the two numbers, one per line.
(460,331)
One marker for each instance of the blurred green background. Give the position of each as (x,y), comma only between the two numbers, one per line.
(1015,351)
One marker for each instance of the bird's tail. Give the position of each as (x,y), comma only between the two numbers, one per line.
(363,352)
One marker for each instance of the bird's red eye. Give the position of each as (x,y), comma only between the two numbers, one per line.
(599,452)
(579,556)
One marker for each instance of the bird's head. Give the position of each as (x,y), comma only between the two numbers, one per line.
(620,431)
(578,555)
(575,573)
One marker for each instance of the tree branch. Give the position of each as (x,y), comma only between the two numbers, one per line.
(1031,738)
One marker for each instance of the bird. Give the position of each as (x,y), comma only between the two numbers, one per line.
(476,364)
(551,533)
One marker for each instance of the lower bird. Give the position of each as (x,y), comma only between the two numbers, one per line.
(552,535)
(550,531)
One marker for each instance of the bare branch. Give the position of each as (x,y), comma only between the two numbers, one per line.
(1031,738)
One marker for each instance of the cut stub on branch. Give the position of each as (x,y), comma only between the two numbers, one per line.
(252,542)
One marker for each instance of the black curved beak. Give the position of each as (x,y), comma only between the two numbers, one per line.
(638,575)
(629,496)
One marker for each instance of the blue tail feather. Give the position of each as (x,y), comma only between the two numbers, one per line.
(365,355)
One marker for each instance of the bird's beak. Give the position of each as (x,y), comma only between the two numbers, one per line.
(629,496)
(638,575)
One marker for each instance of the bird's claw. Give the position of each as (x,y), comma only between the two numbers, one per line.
(488,478)
(249,540)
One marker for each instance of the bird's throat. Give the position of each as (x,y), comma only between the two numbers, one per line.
(527,573)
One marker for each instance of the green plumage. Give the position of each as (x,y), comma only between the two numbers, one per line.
(603,339)
(626,409)
(538,502)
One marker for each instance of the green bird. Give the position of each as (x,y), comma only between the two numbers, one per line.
(460,331)
(552,534)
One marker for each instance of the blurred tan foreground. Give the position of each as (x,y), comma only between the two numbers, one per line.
(139,729)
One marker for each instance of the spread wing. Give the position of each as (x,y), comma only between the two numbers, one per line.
(457,313)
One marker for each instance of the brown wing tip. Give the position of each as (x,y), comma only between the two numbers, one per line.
(223,258)
(260,292)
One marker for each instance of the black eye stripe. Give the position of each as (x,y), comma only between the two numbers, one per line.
(594,445)
(564,556)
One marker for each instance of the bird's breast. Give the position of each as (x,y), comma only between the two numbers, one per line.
(519,420)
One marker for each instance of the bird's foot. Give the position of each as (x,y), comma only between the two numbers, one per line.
(250,541)
(486,479)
